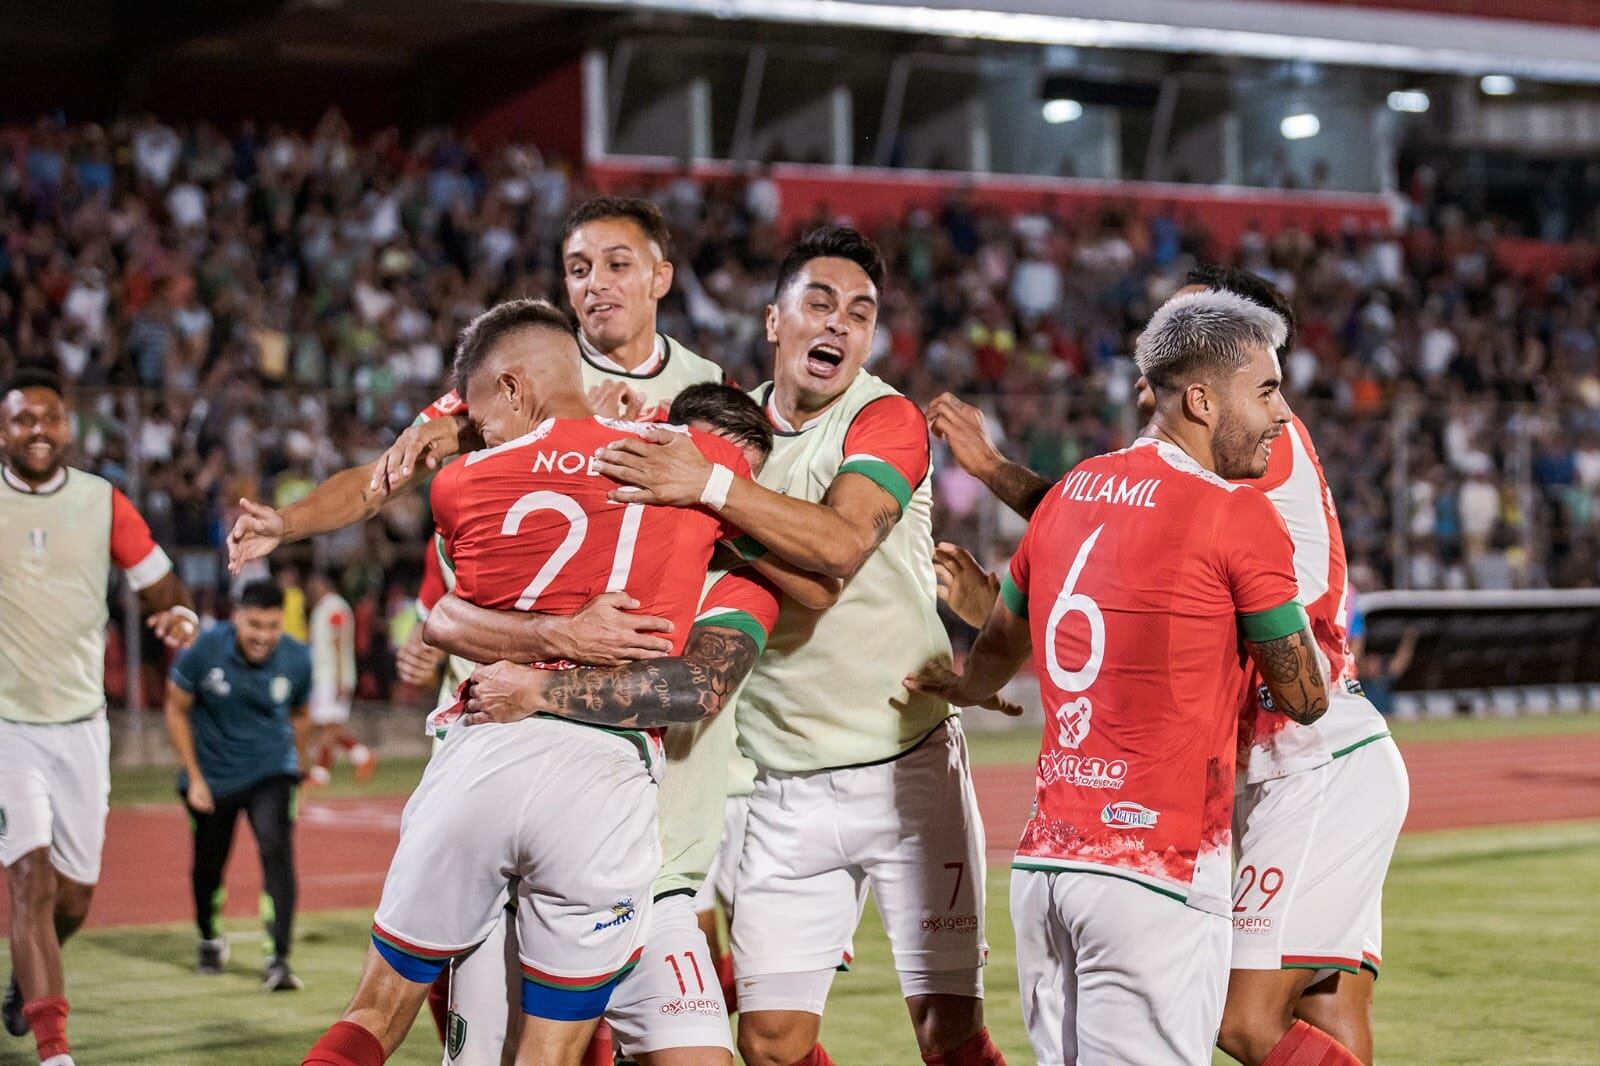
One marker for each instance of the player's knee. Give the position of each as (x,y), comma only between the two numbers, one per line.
(72,901)
(34,883)
(774,1038)
(943,1022)
(1249,1037)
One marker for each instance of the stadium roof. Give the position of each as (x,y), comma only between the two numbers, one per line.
(1319,33)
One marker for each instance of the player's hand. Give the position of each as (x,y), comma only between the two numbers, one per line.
(256,532)
(498,693)
(961,426)
(176,628)
(420,447)
(964,586)
(939,680)
(199,795)
(662,468)
(605,633)
(615,399)
(416,662)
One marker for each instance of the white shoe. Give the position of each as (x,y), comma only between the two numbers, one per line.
(58,1060)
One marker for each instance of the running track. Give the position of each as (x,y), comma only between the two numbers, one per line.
(344,845)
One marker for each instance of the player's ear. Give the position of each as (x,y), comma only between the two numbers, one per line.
(1199,403)
(510,386)
(772,323)
(662,280)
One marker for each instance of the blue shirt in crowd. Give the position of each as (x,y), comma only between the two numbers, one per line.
(240,717)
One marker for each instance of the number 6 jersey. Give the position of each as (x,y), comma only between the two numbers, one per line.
(1138,575)
(527,526)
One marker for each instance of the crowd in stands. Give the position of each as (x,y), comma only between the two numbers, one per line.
(245,311)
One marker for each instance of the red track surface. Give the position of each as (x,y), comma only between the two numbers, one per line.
(344,845)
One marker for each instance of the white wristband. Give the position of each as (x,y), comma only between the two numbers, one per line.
(715,494)
(187,614)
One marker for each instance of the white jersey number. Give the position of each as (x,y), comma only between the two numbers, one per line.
(1070,601)
(577,529)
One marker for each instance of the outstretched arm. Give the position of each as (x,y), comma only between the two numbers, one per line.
(641,695)
(1000,651)
(961,426)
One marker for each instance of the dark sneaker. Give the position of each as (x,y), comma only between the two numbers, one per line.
(16,1021)
(213,955)
(277,977)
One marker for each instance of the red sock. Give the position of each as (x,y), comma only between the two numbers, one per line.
(346,1044)
(48,1016)
(815,1057)
(325,758)
(976,1050)
(1305,1045)
(730,988)
(346,741)
(599,1053)
(439,1003)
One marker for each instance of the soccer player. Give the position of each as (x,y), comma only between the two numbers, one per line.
(237,714)
(1139,575)
(61,531)
(670,1011)
(333,681)
(615,259)
(861,783)
(578,825)
(1307,896)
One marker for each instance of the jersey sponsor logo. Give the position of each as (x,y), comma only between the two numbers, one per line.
(1082,770)
(1085,487)
(1074,719)
(455,1034)
(709,1007)
(279,689)
(216,683)
(1254,924)
(1125,814)
(622,913)
(950,923)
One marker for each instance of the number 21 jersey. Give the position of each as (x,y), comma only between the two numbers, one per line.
(528,526)
(1136,575)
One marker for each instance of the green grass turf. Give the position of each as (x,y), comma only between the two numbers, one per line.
(1492,949)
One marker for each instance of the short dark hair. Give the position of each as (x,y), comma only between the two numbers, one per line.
(498,323)
(642,213)
(831,242)
(729,409)
(1252,287)
(262,594)
(34,377)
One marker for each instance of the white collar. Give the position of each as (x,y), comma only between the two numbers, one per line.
(55,482)
(605,362)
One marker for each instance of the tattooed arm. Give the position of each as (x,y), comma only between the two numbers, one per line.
(641,695)
(1293,670)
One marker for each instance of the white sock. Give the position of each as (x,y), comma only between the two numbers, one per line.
(359,754)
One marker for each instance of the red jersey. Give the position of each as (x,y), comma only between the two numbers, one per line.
(1270,745)
(527,526)
(1138,573)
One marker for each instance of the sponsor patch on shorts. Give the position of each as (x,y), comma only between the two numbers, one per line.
(710,1008)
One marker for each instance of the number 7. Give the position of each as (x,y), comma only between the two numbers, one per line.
(960,868)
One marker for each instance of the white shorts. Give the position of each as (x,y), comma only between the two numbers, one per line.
(718,885)
(55,790)
(568,810)
(815,842)
(1314,848)
(1112,972)
(329,711)
(672,999)
(485,989)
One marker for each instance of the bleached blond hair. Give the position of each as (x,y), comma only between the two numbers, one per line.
(1204,334)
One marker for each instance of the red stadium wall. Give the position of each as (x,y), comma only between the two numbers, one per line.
(868,195)
(548,113)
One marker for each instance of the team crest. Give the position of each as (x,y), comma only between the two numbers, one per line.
(1074,720)
(455,1034)
(280,689)
(38,541)
(216,683)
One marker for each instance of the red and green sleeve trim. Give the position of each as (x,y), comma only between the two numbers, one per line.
(417,951)
(743,621)
(580,984)
(747,547)
(1342,963)
(1015,599)
(1258,627)
(1369,961)
(882,474)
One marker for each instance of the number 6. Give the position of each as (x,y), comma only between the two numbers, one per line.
(1067,602)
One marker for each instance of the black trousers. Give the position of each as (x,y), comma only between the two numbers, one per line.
(269,805)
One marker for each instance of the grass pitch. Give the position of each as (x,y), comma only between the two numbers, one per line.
(1492,947)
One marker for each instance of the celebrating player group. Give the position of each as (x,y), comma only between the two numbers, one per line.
(695,654)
